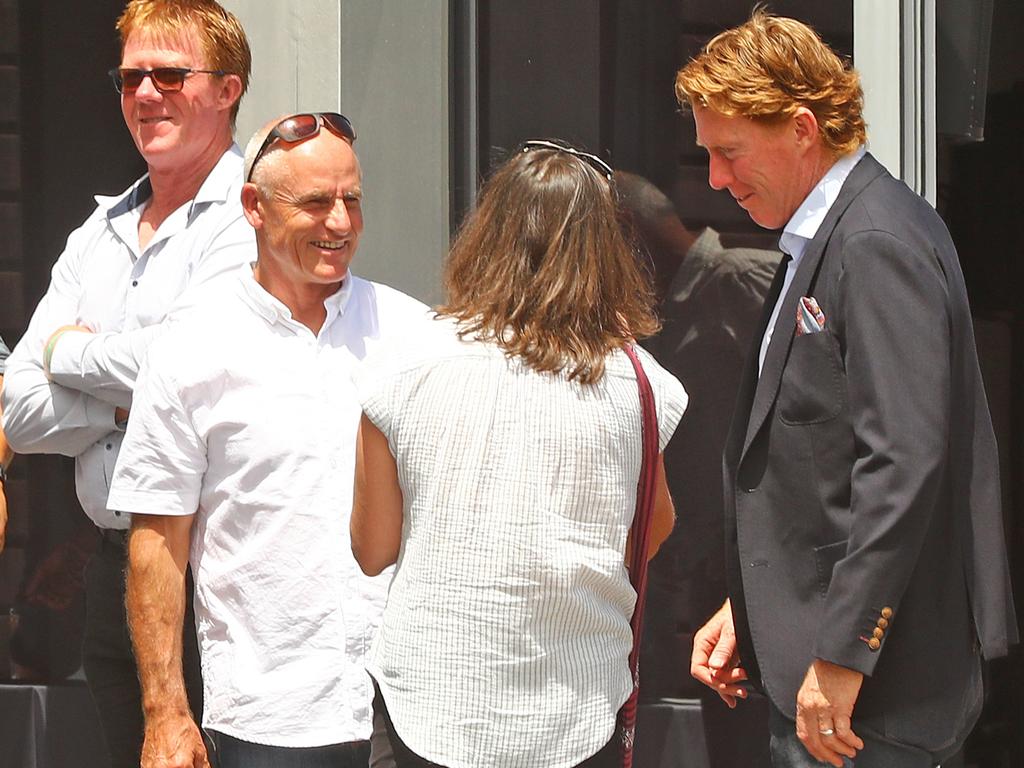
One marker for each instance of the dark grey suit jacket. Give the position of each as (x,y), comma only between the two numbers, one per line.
(863,524)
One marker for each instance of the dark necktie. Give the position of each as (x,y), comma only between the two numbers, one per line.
(773,296)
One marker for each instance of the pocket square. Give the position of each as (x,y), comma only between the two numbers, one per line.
(809,317)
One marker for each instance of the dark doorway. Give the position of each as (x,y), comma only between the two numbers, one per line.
(62,141)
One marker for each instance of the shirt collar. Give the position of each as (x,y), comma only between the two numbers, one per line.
(216,187)
(804,224)
(273,310)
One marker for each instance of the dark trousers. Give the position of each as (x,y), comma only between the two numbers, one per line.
(879,752)
(229,752)
(108,660)
(403,757)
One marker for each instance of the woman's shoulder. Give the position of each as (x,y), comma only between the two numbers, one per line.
(666,386)
(434,344)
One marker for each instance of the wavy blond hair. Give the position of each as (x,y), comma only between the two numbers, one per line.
(220,33)
(542,267)
(768,68)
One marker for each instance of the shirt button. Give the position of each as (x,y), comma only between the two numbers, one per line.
(116,513)
(134,283)
(110,446)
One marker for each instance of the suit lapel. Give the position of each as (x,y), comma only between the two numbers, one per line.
(767,388)
(748,378)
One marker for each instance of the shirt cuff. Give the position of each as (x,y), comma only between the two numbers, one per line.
(67,353)
(151,502)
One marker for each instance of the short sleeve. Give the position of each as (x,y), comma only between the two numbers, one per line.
(670,397)
(374,388)
(385,377)
(162,461)
(4,354)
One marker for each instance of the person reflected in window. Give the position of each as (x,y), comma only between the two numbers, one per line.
(710,297)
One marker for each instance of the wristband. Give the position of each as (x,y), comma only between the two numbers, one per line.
(48,350)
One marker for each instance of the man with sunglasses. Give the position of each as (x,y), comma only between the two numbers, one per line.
(240,457)
(126,275)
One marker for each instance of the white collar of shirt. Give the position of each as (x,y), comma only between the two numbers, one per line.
(804,224)
(273,310)
(801,229)
(214,189)
(124,211)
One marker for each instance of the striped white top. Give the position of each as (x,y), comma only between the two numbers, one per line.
(506,633)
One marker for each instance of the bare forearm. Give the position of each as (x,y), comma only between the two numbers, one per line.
(377,509)
(155,597)
(6,454)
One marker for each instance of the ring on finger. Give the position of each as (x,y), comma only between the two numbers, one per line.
(826,731)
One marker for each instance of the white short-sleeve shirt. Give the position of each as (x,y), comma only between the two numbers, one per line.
(506,632)
(247,420)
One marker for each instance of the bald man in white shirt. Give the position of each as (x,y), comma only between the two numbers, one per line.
(240,456)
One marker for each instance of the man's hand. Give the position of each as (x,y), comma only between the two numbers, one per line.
(824,710)
(715,660)
(173,741)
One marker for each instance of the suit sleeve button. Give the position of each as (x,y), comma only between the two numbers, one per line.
(878,632)
(874,643)
(887,612)
(883,624)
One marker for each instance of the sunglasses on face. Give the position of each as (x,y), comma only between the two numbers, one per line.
(164,79)
(305,126)
(593,161)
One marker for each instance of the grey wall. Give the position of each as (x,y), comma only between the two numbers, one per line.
(384,64)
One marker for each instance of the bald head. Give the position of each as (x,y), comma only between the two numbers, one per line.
(304,201)
(253,147)
(287,132)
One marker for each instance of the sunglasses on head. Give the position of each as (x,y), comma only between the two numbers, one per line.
(305,126)
(593,161)
(164,79)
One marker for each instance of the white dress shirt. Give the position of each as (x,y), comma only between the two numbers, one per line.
(802,227)
(506,633)
(128,295)
(247,419)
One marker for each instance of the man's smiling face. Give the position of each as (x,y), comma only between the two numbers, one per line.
(761,165)
(312,217)
(173,130)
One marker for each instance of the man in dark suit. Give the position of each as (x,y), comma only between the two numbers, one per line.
(865,551)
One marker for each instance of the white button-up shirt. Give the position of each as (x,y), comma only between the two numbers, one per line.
(801,228)
(127,295)
(247,419)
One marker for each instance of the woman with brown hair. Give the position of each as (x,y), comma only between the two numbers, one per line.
(497,464)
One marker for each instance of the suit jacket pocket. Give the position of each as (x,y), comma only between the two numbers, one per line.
(812,388)
(825,559)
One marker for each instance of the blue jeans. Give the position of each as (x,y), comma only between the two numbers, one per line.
(229,752)
(879,752)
